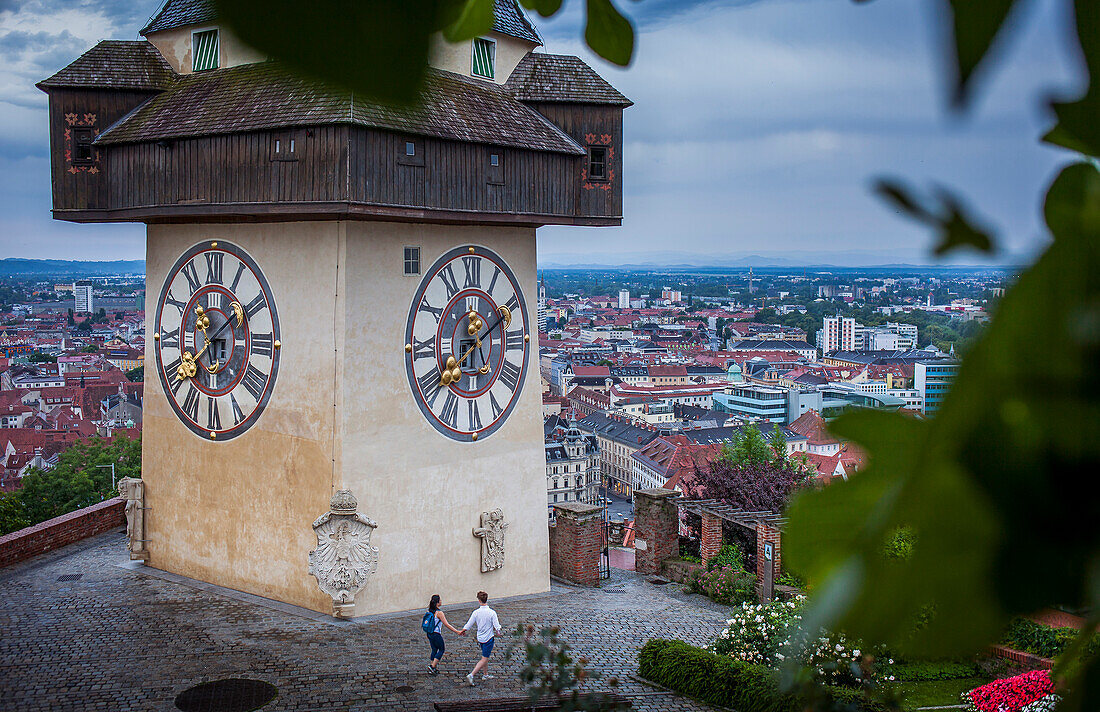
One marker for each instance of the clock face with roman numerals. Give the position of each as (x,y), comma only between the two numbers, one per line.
(467,343)
(217,340)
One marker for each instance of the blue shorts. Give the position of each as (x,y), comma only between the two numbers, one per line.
(487,647)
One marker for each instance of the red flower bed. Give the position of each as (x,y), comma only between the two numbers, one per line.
(1012,693)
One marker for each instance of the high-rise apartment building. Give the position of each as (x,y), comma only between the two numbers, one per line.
(838,334)
(82,291)
(624,298)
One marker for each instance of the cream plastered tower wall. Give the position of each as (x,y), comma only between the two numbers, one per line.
(239,513)
(175,46)
(458,57)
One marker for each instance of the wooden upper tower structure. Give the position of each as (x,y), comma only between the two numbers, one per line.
(191,125)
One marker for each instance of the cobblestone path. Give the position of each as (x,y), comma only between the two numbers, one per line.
(80,632)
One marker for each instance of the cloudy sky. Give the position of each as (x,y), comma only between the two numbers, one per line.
(757,127)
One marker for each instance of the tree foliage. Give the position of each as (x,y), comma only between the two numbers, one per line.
(751,474)
(81,478)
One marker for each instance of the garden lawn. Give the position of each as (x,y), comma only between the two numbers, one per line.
(934,693)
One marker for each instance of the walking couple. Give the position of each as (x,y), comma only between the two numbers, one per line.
(483,621)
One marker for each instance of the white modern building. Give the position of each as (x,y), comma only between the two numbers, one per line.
(624,298)
(82,291)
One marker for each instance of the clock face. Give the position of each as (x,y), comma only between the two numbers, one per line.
(467,343)
(217,340)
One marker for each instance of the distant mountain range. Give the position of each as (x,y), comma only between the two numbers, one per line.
(840,259)
(21,267)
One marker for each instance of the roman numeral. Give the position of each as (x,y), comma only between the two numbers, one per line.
(238,414)
(447,274)
(213,418)
(493,281)
(237,277)
(192,274)
(497,410)
(214,262)
(169,299)
(212,381)
(255,305)
(262,344)
(213,300)
(512,304)
(474,416)
(513,340)
(424,307)
(170,373)
(191,404)
(509,374)
(449,414)
(472,265)
(430,385)
(170,340)
(255,381)
(423,349)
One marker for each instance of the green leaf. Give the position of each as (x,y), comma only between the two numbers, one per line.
(475,19)
(975,26)
(948,216)
(1077,127)
(608,33)
(376,47)
(546,8)
(997,487)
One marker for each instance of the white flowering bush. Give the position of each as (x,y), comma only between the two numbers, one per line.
(770,633)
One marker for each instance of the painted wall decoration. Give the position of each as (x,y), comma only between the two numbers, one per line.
(74,123)
(601,140)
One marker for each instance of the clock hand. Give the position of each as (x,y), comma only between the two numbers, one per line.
(505,316)
(213,367)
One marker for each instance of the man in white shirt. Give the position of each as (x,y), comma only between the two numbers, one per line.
(485,620)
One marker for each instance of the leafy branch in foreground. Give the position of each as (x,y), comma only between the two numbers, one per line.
(551,671)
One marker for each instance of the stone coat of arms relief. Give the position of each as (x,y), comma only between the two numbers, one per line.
(491,533)
(344,558)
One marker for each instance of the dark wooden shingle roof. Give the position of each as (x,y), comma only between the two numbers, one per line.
(180,13)
(509,18)
(560,78)
(115,64)
(262,96)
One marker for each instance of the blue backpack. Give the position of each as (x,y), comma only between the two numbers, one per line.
(428,623)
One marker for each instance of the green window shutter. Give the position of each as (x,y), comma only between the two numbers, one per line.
(484,58)
(204,50)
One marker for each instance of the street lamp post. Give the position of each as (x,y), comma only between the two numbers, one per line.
(112,466)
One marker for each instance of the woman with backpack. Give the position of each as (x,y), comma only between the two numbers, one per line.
(433,623)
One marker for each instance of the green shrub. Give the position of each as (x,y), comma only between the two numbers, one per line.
(729,555)
(928,670)
(1036,638)
(721,681)
(729,586)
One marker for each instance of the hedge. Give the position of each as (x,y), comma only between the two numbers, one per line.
(1035,638)
(722,681)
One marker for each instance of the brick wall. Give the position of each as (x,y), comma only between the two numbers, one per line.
(680,571)
(59,531)
(576,541)
(712,537)
(656,529)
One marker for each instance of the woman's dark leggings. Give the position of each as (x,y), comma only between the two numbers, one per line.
(436,639)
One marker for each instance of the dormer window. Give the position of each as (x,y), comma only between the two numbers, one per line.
(204,50)
(484,59)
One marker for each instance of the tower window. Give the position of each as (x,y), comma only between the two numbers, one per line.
(204,50)
(412,260)
(484,58)
(495,172)
(410,152)
(597,163)
(83,151)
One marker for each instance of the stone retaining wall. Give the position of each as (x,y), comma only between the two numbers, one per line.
(59,531)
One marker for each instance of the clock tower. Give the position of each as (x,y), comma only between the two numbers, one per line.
(345,409)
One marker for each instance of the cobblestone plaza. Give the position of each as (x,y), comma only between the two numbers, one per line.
(84,629)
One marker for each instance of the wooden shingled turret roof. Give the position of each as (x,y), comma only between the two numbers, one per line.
(508,20)
(265,95)
(115,64)
(560,78)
